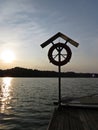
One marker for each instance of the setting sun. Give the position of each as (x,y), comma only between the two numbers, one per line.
(8,56)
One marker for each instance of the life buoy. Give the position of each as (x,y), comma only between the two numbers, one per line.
(59,47)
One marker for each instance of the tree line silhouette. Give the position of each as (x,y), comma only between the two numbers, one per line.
(24,72)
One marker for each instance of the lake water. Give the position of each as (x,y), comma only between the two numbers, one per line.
(27,103)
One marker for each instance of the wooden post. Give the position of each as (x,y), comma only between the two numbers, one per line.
(59,78)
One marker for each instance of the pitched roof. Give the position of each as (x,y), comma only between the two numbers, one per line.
(59,34)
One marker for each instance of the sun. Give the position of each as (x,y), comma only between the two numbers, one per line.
(8,56)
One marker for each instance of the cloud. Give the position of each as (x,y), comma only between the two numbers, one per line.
(18,21)
(25,24)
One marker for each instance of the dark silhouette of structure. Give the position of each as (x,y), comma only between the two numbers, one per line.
(59,54)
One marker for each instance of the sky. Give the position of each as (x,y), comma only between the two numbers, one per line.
(25,24)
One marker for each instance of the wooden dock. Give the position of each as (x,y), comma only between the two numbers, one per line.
(74,118)
(81,114)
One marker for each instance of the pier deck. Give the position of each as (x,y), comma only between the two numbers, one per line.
(74,118)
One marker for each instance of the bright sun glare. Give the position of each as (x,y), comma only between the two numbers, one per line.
(8,56)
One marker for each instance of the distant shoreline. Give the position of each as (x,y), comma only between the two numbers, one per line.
(24,72)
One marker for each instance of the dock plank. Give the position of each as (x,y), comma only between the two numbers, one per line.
(70,118)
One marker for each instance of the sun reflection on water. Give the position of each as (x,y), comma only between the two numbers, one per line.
(5,93)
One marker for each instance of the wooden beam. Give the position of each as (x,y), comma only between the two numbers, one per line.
(59,34)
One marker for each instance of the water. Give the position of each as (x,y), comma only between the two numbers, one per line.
(27,103)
